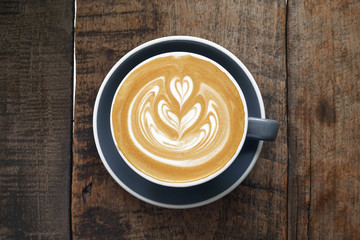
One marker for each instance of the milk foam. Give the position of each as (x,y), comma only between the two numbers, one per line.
(202,134)
(178,117)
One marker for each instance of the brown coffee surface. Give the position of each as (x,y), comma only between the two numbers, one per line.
(178,118)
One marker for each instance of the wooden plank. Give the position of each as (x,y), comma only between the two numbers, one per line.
(324,116)
(252,30)
(36,47)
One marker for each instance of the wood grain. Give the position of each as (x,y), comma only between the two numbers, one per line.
(36,47)
(324,116)
(255,32)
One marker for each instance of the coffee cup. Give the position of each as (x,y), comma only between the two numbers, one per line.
(179,118)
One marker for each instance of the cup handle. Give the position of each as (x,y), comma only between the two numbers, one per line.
(262,129)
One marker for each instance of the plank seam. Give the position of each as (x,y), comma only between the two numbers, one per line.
(72,124)
(287,116)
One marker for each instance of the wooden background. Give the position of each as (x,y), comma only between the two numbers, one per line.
(36,66)
(305,57)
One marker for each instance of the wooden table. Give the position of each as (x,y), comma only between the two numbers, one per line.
(305,57)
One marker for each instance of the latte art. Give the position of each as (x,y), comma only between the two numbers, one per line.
(186,126)
(178,118)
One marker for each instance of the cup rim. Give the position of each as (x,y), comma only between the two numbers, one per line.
(202,180)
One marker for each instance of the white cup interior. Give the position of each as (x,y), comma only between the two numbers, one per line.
(208,178)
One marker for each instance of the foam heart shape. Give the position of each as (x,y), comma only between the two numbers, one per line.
(181,90)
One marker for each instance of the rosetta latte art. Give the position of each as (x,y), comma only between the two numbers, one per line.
(178,117)
(195,124)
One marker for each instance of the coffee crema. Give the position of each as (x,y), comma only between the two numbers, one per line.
(178,118)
